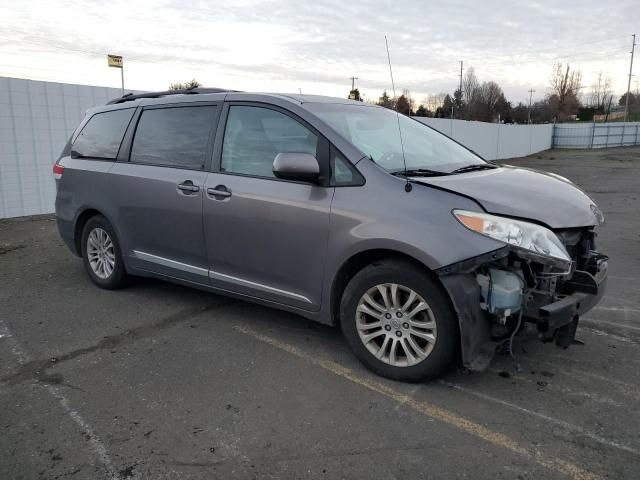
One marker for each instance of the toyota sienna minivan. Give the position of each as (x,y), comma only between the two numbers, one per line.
(345,213)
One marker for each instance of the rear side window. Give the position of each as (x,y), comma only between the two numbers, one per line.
(176,136)
(102,135)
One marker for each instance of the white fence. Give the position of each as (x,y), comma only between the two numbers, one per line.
(494,140)
(36,120)
(596,135)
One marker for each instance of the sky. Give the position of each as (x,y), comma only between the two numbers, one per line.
(315,46)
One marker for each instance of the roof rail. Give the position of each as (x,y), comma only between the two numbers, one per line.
(186,91)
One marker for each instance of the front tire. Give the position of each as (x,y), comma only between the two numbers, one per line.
(101,254)
(399,322)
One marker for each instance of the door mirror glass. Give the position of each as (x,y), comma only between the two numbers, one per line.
(302,167)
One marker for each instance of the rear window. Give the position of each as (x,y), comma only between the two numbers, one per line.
(176,136)
(101,136)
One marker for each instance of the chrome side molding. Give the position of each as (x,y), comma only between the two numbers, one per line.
(185,267)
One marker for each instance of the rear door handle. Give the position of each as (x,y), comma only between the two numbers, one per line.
(188,187)
(219,192)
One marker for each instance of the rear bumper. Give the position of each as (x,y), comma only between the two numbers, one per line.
(67,230)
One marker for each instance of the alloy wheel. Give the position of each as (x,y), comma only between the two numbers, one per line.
(396,324)
(101,253)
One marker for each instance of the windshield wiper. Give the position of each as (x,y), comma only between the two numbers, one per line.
(471,168)
(419,172)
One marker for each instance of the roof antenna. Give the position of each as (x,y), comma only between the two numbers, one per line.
(407,186)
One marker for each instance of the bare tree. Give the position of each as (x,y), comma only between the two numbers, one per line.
(488,98)
(601,92)
(407,94)
(434,102)
(565,85)
(470,85)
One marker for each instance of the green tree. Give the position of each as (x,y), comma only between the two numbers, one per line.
(403,105)
(355,95)
(457,99)
(447,106)
(193,83)
(633,99)
(385,100)
(422,111)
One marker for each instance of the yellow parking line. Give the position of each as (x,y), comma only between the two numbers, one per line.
(428,409)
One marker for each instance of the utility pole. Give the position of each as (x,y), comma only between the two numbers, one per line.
(626,108)
(531,92)
(353,82)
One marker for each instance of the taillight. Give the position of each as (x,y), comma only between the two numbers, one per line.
(58,170)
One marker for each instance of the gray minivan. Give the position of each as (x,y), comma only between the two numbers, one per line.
(340,211)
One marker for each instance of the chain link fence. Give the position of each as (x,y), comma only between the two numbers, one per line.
(596,135)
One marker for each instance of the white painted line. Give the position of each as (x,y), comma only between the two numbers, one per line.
(428,409)
(618,309)
(566,425)
(562,369)
(566,390)
(591,321)
(96,444)
(602,333)
(616,277)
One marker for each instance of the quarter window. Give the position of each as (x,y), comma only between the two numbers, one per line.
(254,136)
(176,136)
(102,135)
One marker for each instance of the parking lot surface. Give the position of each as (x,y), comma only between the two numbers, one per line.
(161,381)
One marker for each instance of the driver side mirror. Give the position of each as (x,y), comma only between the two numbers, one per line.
(301,167)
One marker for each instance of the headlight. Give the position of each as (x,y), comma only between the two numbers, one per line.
(531,239)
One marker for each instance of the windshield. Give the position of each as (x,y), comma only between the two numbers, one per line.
(374,130)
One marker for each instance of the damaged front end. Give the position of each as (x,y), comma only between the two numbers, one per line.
(547,278)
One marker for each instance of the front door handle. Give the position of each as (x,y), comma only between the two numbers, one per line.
(220,192)
(188,187)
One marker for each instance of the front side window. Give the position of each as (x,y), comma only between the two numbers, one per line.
(101,136)
(255,135)
(375,131)
(176,136)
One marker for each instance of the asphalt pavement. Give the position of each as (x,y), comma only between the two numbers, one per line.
(161,381)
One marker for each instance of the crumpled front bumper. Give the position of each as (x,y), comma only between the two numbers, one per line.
(578,295)
(559,313)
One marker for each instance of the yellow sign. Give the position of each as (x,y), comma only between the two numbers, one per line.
(114,61)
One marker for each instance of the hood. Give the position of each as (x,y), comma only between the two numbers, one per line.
(525,193)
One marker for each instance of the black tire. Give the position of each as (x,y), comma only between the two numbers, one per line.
(408,275)
(118,276)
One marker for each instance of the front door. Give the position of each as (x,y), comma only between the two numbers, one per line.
(159,191)
(266,238)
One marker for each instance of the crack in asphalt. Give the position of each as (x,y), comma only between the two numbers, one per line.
(37,369)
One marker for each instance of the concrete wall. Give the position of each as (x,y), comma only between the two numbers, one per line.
(494,141)
(36,120)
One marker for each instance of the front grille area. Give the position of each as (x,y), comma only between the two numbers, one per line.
(580,244)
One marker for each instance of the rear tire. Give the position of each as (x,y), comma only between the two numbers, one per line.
(101,254)
(399,322)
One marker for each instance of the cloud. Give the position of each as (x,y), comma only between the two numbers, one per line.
(273,45)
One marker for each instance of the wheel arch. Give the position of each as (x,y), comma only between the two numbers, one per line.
(361,259)
(82,219)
